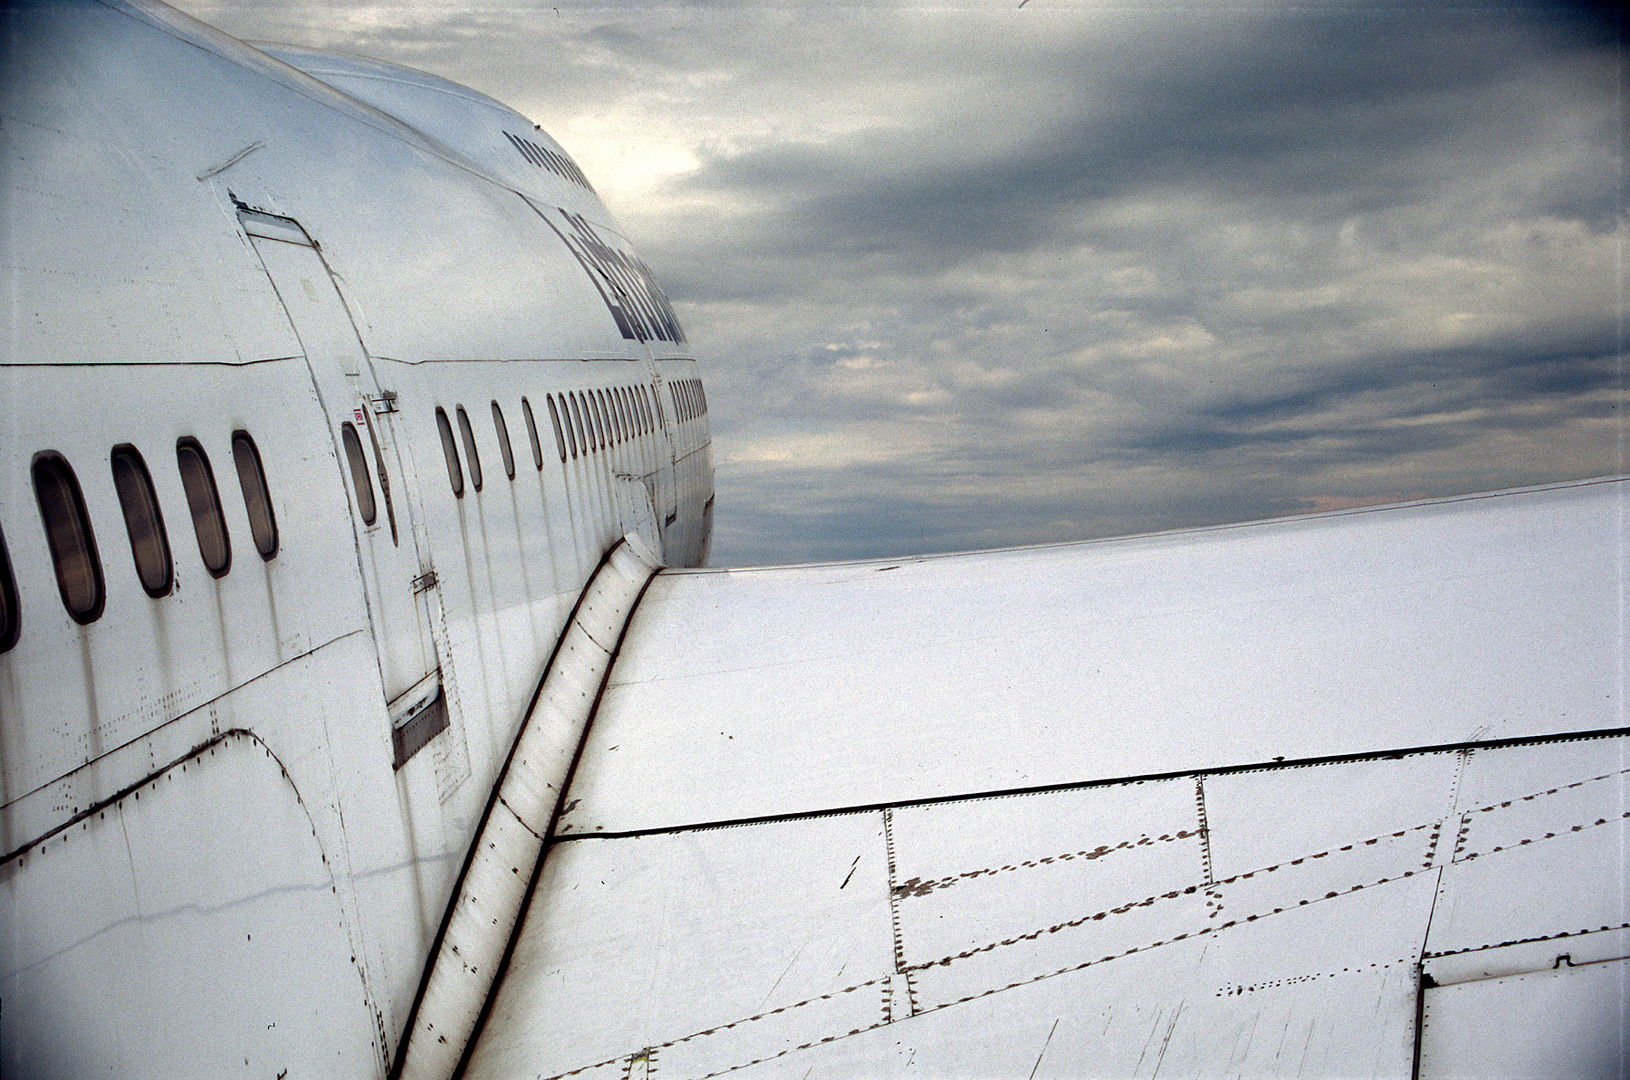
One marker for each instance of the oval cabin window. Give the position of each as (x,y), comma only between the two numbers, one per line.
(602,417)
(532,433)
(68,534)
(594,422)
(364,485)
(504,449)
(204,500)
(470,452)
(449,450)
(149,544)
(574,430)
(10,616)
(554,420)
(257,500)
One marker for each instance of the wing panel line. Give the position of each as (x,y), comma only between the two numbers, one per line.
(1110,781)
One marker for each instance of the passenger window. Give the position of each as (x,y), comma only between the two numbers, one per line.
(383,476)
(554,421)
(257,500)
(470,451)
(701,395)
(68,534)
(359,473)
(532,433)
(625,421)
(504,450)
(580,421)
(148,543)
(599,419)
(10,615)
(205,503)
(645,410)
(567,408)
(449,450)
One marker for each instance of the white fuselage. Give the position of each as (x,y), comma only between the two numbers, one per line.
(239,772)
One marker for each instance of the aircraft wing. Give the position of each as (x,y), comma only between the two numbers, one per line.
(1332,795)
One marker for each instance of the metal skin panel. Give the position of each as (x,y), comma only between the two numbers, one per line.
(123,678)
(1572,1014)
(133,138)
(1202,803)
(752,692)
(491,892)
(1115,929)
(521,293)
(1149,805)
(151,912)
(747,927)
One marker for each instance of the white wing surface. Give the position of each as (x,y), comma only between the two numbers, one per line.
(1337,795)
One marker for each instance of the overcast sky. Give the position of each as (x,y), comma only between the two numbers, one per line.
(976,274)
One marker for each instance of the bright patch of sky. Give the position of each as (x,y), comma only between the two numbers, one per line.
(972,275)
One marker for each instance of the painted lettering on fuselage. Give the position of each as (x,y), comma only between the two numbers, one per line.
(637,303)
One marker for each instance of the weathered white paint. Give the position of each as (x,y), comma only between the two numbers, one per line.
(210,865)
(1202,803)
(138,143)
(492,892)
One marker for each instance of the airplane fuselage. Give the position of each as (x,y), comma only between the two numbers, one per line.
(326,396)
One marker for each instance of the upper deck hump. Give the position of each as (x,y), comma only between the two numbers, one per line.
(507,146)
(123,193)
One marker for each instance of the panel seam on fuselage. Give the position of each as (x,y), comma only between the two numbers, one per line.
(172,720)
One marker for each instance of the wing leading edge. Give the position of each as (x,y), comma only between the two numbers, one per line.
(1331,795)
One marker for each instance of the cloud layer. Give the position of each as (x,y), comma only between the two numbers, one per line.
(975,276)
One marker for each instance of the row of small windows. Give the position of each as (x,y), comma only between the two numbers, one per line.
(72,541)
(545,158)
(583,421)
(690,401)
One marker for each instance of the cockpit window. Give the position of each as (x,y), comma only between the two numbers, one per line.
(204,500)
(149,544)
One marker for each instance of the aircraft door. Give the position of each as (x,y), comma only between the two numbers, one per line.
(394,557)
(665,491)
